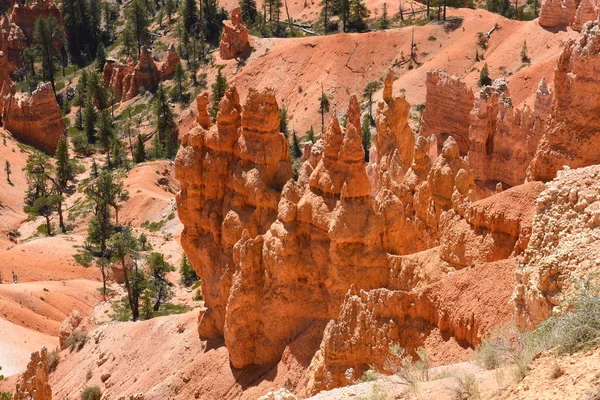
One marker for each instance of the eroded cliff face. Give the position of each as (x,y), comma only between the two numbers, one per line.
(33,384)
(573,13)
(573,130)
(12,43)
(282,259)
(35,119)
(504,139)
(448,107)
(563,251)
(126,79)
(234,39)
(26,15)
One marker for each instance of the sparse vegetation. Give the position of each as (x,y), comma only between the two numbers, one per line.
(77,340)
(410,371)
(91,393)
(466,388)
(53,360)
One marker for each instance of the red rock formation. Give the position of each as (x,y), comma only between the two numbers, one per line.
(34,119)
(234,40)
(572,132)
(448,106)
(557,13)
(26,15)
(33,384)
(12,43)
(126,79)
(231,178)
(503,140)
(279,262)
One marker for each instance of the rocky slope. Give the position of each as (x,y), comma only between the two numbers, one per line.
(296,262)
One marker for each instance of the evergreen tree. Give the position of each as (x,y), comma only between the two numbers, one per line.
(249,11)
(283,121)
(188,275)
(218,91)
(161,287)
(117,154)
(524,53)
(189,14)
(179,79)
(64,166)
(129,43)
(81,19)
(366,136)
(358,14)
(89,120)
(165,135)
(323,108)
(96,88)
(211,18)
(140,151)
(310,135)
(484,76)
(41,199)
(121,245)
(8,171)
(137,21)
(296,150)
(368,92)
(169,9)
(47,34)
(143,241)
(106,133)
(326,12)
(100,57)
(384,23)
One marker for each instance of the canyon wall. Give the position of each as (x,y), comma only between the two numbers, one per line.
(280,257)
(26,15)
(573,130)
(504,139)
(126,79)
(448,106)
(35,119)
(563,253)
(33,384)
(573,13)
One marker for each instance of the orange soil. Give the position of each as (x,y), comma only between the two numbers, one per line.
(345,63)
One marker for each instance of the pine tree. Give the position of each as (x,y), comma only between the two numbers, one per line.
(100,57)
(89,121)
(165,126)
(368,92)
(358,14)
(524,54)
(188,275)
(366,136)
(137,21)
(117,154)
(169,9)
(384,23)
(41,199)
(310,135)
(189,14)
(140,151)
(129,44)
(484,76)
(160,285)
(64,166)
(47,33)
(179,79)
(323,108)
(283,121)
(106,133)
(218,91)
(296,150)
(121,245)
(249,11)
(8,171)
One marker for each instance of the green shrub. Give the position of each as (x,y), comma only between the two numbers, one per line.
(466,388)
(77,340)
(91,393)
